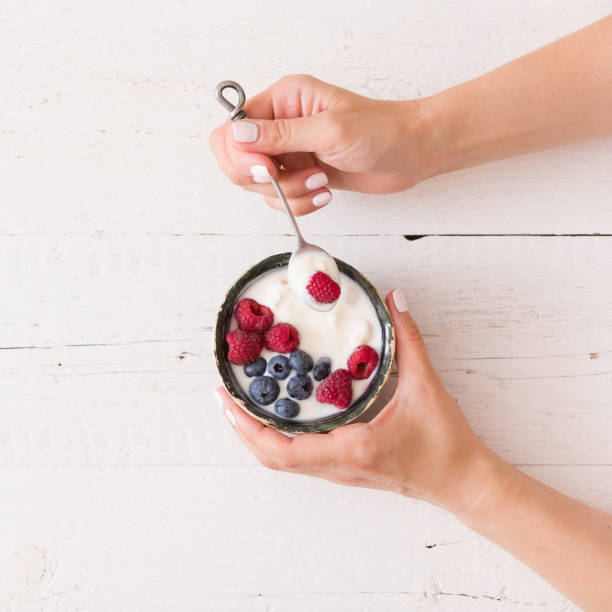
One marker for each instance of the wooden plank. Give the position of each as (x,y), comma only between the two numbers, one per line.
(520,329)
(168,537)
(104,131)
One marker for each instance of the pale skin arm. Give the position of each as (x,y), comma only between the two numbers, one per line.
(420,445)
(566,542)
(558,94)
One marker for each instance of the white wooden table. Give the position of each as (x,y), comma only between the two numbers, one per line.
(122,487)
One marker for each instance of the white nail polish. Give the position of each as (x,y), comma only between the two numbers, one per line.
(321,199)
(245,131)
(230,417)
(218,398)
(260,174)
(314,181)
(399,299)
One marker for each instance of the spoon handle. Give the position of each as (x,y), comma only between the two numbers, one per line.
(281,195)
(236,113)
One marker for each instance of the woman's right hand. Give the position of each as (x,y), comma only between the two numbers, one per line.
(312,136)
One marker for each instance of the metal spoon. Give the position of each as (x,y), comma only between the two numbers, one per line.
(305,252)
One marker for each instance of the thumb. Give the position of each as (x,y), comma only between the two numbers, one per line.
(277,136)
(410,351)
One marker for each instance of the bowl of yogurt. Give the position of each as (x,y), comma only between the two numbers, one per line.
(297,368)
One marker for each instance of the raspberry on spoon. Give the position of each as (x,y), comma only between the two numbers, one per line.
(322,288)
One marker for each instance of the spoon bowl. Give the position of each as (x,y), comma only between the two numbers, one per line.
(303,263)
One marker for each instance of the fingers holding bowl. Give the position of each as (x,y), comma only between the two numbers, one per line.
(308,453)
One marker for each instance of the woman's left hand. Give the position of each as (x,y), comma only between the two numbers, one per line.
(420,445)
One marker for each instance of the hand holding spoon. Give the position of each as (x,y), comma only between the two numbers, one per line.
(313,273)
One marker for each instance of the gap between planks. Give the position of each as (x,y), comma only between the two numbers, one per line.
(413,237)
(93,344)
(409,237)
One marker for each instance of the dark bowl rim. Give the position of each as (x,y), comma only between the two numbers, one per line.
(316,425)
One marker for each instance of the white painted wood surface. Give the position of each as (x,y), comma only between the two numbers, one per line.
(121,485)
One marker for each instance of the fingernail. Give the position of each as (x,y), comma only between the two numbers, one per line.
(321,199)
(245,131)
(314,181)
(230,417)
(218,398)
(399,299)
(260,174)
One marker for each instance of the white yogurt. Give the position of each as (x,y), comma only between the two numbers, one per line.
(334,334)
(302,265)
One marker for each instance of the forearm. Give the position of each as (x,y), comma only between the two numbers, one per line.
(558,94)
(566,542)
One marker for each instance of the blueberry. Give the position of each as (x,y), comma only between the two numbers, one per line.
(286,408)
(300,361)
(322,369)
(264,390)
(279,367)
(257,368)
(300,386)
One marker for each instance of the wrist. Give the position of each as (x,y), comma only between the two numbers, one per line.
(481,488)
(435,137)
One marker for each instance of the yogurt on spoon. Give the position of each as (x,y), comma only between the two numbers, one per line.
(314,277)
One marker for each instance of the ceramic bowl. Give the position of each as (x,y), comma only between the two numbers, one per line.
(327,423)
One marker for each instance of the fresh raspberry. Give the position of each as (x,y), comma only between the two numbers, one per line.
(253,317)
(244,347)
(282,338)
(336,389)
(322,288)
(362,362)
